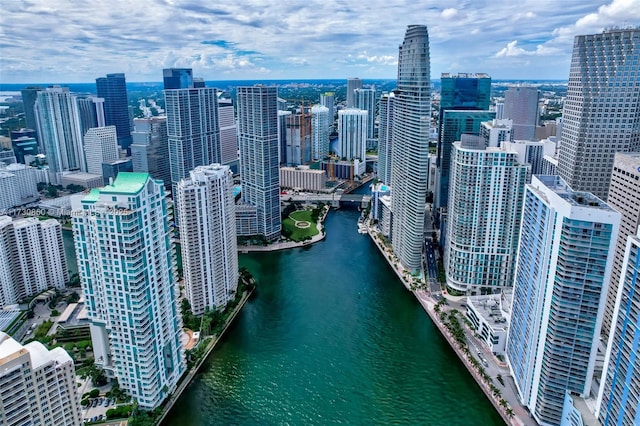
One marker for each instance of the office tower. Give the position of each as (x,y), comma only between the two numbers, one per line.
(464,104)
(385,132)
(496,131)
(328,99)
(113,88)
(31,258)
(177,78)
(563,268)
(352,135)
(282,104)
(228,131)
(410,153)
(298,137)
(521,106)
(91,113)
(486,195)
(352,84)
(530,153)
(58,125)
(208,237)
(126,262)
(258,143)
(111,169)
(24,143)
(320,129)
(499,108)
(624,196)
(365,99)
(150,148)
(100,146)
(38,385)
(599,117)
(29,96)
(282,137)
(619,396)
(192,128)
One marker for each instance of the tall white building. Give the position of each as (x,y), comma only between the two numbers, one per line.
(366,99)
(100,146)
(410,153)
(208,237)
(563,268)
(59,133)
(126,262)
(31,258)
(385,133)
(320,130)
(258,143)
(37,385)
(228,131)
(328,99)
(496,131)
(352,134)
(599,117)
(486,192)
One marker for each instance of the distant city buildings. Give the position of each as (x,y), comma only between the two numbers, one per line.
(563,269)
(31,258)
(599,117)
(150,148)
(126,262)
(208,237)
(409,161)
(38,385)
(113,89)
(521,105)
(258,143)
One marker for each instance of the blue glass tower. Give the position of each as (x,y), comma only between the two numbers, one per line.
(113,88)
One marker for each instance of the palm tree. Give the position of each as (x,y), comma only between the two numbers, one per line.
(509,412)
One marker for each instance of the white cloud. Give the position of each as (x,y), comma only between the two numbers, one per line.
(449,13)
(512,49)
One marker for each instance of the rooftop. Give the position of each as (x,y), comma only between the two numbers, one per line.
(489,308)
(575,198)
(125,183)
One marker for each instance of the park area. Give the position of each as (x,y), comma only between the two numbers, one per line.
(300,225)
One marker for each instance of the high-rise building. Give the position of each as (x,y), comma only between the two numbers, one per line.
(496,131)
(464,105)
(150,148)
(385,132)
(366,99)
(192,128)
(113,88)
(619,396)
(208,237)
(126,262)
(410,153)
(624,196)
(24,144)
(29,97)
(328,99)
(320,129)
(258,143)
(486,193)
(58,125)
(282,137)
(298,137)
(38,385)
(228,132)
(91,113)
(521,107)
(31,258)
(352,84)
(563,268)
(177,78)
(599,117)
(100,146)
(352,133)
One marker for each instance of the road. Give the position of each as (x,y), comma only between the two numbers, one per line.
(431,267)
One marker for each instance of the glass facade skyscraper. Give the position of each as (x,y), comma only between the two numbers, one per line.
(410,153)
(113,88)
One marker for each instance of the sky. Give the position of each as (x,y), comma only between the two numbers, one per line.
(70,41)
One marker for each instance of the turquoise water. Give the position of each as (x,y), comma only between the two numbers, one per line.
(332,337)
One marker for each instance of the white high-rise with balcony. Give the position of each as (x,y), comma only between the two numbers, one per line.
(208,237)
(352,133)
(410,153)
(100,146)
(37,385)
(126,262)
(385,133)
(320,129)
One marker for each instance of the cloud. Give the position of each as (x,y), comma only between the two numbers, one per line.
(512,49)
(449,13)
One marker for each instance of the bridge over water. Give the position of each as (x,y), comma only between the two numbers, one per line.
(334,199)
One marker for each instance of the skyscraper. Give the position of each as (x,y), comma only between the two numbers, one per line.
(486,193)
(366,99)
(320,129)
(208,237)
(113,88)
(562,274)
(298,139)
(91,113)
(624,196)
(150,148)
(192,128)
(38,385)
(521,106)
(385,133)
(352,84)
(410,153)
(599,117)
(29,96)
(228,132)
(177,78)
(100,146)
(619,396)
(258,143)
(328,99)
(352,133)
(58,125)
(126,262)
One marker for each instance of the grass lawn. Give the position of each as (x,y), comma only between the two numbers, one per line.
(298,234)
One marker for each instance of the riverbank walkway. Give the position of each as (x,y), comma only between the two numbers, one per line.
(518,416)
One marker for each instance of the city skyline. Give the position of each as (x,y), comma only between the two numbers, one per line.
(327,40)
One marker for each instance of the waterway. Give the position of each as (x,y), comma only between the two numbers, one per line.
(331,337)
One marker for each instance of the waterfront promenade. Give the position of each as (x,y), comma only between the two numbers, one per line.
(518,416)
